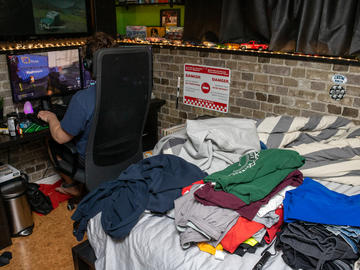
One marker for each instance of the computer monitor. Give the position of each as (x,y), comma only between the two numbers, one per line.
(38,19)
(41,75)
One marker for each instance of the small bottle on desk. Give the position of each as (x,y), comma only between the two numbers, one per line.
(12,126)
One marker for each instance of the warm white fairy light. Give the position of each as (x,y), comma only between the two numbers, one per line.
(229,47)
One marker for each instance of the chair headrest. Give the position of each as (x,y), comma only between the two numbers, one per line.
(99,54)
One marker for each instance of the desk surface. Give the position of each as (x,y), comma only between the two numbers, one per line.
(8,141)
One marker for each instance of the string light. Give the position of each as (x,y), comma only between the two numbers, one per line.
(8,46)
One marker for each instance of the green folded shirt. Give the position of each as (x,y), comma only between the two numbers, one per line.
(257,173)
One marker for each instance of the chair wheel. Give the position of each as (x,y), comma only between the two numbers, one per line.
(70,206)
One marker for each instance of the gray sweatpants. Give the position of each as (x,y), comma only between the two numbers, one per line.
(199,223)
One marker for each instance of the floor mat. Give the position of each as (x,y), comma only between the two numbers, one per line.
(55,197)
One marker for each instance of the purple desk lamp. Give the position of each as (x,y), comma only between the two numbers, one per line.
(28,108)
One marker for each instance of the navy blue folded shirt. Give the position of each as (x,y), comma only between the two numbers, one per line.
(153,184)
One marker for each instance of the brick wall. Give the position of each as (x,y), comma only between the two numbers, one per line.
(260,86)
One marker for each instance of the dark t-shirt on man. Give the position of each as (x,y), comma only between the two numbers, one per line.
(78,117)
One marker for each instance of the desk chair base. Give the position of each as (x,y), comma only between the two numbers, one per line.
(72,202)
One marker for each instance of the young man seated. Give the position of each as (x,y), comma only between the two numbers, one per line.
(77,120)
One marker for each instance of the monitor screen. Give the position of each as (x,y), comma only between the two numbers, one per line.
(33,19)
(40,75)
(59,16)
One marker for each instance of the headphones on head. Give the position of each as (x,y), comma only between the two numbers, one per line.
(99,40)
(87,61)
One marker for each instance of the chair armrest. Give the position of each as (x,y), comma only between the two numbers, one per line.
(71,147)
(65,157)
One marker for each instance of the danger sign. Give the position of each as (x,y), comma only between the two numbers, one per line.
(207,87)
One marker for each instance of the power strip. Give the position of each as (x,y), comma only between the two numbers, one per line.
(8,172)
(171,130)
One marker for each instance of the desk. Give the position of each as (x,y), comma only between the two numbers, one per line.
(28,152)
(6,141)
(150,137)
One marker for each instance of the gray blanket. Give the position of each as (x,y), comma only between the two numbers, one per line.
(213,144)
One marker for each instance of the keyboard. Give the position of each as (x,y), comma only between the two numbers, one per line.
(32,117)
(58,110)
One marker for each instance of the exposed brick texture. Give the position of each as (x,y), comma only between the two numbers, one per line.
(333,109)
(266,86)
(30,158)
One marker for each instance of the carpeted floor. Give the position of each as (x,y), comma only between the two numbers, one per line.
(48,247)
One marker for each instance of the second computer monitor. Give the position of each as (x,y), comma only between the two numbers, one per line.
(40,75)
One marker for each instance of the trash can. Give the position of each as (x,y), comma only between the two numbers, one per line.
(17,207)
(5,238)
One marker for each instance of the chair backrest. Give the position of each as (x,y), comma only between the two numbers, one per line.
(123,92)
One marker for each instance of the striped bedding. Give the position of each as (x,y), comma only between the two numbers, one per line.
(330,144)
(287,131)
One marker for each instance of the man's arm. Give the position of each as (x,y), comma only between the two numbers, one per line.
(58,134)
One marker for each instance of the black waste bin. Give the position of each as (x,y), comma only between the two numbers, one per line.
(17,207)
(5,239)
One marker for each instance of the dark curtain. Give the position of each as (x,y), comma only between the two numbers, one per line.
(325,27)
(243,20)
(202,20)
(15,19)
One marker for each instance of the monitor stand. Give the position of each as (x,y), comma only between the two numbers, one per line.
(45,104)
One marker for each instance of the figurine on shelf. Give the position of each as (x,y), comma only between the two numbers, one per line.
(209,44)
(232,46)
(155,39)
(253,45)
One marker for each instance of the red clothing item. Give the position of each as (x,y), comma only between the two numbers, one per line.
(271,232)
(55,197)
(241,231)
(244,229)
(186,189)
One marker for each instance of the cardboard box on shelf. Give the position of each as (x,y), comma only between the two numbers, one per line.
(133,31)
(174,32)
(155,31)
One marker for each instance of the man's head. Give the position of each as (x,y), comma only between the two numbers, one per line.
(97,41)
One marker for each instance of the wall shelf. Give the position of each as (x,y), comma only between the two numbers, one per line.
(8,47)
(127,4)
(284,55)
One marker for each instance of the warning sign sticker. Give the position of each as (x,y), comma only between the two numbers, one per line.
(207,87)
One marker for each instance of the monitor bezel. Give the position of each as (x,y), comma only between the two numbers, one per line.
(47,97)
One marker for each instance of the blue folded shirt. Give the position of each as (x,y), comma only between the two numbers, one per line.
(313,202)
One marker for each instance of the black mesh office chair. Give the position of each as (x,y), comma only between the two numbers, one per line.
(123,91)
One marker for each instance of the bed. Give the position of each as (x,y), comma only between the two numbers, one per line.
(331,148)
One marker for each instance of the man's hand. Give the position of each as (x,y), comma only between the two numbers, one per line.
(46,116)
(58,134)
